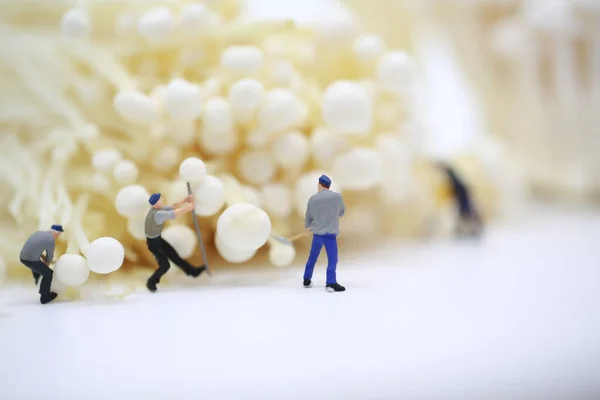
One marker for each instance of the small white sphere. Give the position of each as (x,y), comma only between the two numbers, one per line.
(183,100)
(136,226)
(395,72)
(72,269)
(325,146)
(291,149)
(368,48)
(209,196)
(156,24)
(252,195)
(105,255)
(192,169)
(242,60)
(256,166)
(182,238)
(167,158)
(359,169)
(196,18)
(277,199)
(245,96)
(279,111)
(282,255)
(230,254)
(105,160)
(132,200)
(244,226)
(218,135)
(347,108)
(126,172)
(75,23)
(136,107)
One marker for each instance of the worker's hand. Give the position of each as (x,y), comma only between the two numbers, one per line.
(189,198)
(189,207)
(307,232)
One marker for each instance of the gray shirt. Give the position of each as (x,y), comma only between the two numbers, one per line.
(37,243)
(155,221)
(323,212)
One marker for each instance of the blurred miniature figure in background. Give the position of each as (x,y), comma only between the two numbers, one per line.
(163,251)
(32,257)
(323,212)
(469,222)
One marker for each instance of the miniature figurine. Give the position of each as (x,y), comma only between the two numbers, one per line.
(323,212)
(32,257)
(163,251)
(469,222)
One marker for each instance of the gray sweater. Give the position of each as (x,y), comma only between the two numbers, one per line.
(37,243)
(155,221)
(323,212)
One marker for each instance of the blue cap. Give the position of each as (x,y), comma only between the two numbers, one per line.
(57,228)
(325,181)
(154,199)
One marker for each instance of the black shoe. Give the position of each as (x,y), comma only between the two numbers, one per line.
(47,298)
(197,271)
(151,286)
(307,283)
(334,287)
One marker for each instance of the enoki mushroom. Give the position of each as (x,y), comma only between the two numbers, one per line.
(124,100)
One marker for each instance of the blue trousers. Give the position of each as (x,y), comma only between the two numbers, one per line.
(331,248)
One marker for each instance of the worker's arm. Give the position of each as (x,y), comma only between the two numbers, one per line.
(342,207)
(308,216)
(163,215)
(179,204)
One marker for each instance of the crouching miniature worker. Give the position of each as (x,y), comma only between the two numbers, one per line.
(163,251)
(31,257)
(323,212)
(469,222)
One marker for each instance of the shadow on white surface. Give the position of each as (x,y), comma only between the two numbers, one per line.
(517,315)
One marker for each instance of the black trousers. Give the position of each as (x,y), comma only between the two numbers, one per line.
(38,269)
(163,252)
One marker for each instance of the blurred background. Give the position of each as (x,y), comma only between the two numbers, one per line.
(522,72)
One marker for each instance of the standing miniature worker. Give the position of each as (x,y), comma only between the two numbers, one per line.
(163,251)
(323,212)
(469,221)
(32,257)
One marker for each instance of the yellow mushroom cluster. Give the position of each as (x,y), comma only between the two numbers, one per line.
(109,102)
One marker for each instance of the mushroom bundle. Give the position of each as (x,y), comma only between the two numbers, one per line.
(111,101)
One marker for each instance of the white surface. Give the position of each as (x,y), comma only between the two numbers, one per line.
(518,314)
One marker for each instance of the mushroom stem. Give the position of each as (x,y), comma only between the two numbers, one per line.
(82,240)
